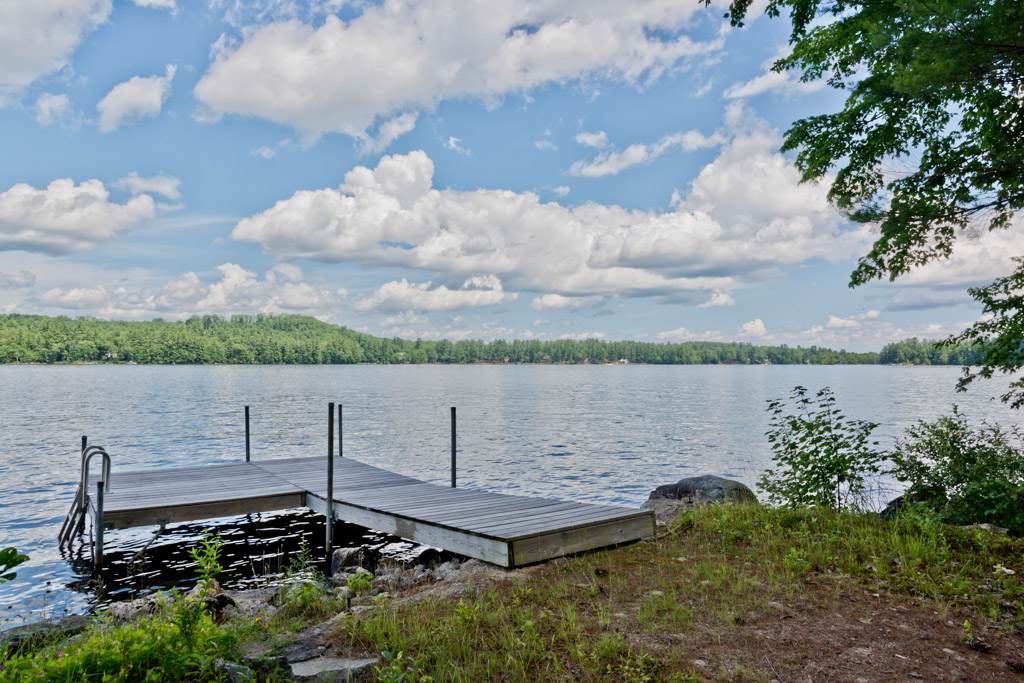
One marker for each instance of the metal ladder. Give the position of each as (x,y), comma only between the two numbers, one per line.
(74,523)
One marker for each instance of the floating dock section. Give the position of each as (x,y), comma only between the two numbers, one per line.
(505,530)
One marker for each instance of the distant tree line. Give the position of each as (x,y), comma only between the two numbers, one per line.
(296,339)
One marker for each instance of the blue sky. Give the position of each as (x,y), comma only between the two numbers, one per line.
(446,169)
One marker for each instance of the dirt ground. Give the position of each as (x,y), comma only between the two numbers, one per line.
(861,637)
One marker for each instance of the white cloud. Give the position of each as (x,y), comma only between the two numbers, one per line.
(718,299)
(681,334)
(38,37)
(22,279)
(455,144)
(580,336)
(402,55)
(135,99)
(66,218)
(557,302)
(610,162)
(977,259)
(545,145)
(561,190)
(51,109)
(745,216)
(387,132)
(264,152)
(158,4)
(236,291)
(597,140)
(404,295)
(161,184)
(754,328)
(786,83)
(852,322)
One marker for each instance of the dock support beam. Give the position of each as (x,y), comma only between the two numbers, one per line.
(97,552)
(247,433)
(453,446)
(330,478)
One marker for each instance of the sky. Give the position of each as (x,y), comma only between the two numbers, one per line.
(445,169)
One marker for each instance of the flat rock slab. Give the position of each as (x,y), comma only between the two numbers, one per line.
(336,669)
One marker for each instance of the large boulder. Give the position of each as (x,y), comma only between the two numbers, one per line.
(667,500)
(362,556)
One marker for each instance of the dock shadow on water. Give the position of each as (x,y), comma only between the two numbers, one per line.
(257,550)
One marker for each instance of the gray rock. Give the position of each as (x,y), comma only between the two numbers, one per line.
(236,673)
(705,489)
(67,626)
(302,650)
(668,500)
(354,557)
(334,669)
(988,527)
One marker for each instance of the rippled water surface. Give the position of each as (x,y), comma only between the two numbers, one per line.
(606,434)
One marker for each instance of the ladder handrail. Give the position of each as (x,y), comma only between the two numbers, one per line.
(87,456)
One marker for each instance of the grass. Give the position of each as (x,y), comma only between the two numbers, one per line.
(610,614)
(642,612)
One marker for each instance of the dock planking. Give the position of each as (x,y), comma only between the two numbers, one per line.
(498,528)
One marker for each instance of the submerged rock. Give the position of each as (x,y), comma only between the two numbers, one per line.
(68,626)
(354,557)
(667,500)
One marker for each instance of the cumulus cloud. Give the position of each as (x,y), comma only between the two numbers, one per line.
(263,152)
(161,184)
(557,302)
(403,295)
(53,109)
(746,216)
(236,290)
(977,259)
(66,218)
(755,328)
(135,99)
(22,279)
(609,162)
(403,55)
(38,38)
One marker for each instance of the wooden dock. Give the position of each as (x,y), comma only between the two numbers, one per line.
(501,529)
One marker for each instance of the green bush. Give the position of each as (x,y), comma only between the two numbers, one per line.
(181,643)
(9,559)
(821,457)
(964,475)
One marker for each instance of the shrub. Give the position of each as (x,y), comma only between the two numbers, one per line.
(821,457)
(964,475)
(9,559)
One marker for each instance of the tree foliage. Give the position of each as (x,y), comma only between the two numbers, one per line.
(821,457)
(965,475)
(295,339)
(9,559)
(929,145)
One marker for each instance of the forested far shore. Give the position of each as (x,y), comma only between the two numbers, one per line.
(296,339)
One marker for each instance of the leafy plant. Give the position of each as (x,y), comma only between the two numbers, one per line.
(358,583)
(400,669)
(9,559)
(964,475)
(822,458)
(207,557)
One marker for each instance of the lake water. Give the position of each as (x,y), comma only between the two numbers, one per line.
(603,434)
